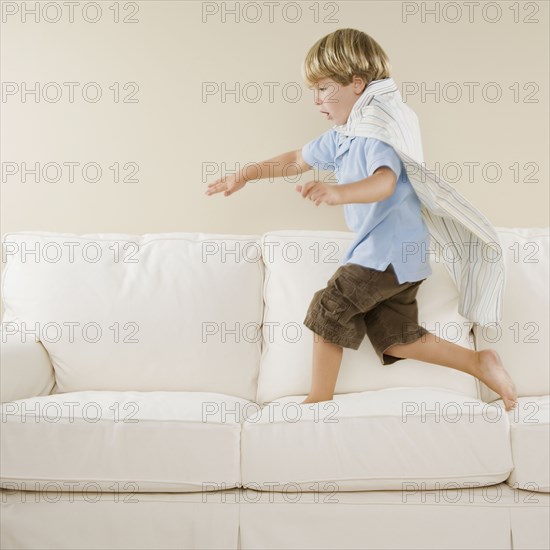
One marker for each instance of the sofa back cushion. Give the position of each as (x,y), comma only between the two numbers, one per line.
(521,337)
(297,264)
(166,311)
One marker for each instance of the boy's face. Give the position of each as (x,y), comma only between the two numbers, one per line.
(336,101)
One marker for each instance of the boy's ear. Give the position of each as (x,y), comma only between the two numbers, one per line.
(359,83)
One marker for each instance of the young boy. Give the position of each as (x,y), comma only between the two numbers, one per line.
(374,291)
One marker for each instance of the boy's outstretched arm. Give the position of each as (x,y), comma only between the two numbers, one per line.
(287,164)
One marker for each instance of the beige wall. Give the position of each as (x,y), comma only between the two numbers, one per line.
(173,131)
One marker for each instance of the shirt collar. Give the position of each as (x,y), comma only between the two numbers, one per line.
(376,87)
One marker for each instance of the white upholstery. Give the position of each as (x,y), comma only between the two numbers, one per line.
(25,370)
(378,440)
(486,518)
(530,440)
(73,520)
(412,444)
(145,441)
(479,518)
(173,311)
(521,338)
(297,263)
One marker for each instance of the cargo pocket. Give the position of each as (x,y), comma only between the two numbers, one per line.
(333,304)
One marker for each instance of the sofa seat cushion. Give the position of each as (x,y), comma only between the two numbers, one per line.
(530,436)
(390,439)
(122,441)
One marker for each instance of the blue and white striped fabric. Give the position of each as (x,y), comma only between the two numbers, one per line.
(469,243)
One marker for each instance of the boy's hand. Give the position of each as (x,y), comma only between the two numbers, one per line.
(229,184)
(319,192)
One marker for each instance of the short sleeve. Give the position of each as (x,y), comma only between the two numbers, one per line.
(382,154)
(321,152)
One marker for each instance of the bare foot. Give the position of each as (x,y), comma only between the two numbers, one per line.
(492,373)
(309,399)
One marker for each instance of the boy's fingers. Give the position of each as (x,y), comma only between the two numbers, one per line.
(308,188)
(215,187)
(217,182)
(213,190)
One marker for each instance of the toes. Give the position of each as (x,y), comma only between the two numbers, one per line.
(510,405)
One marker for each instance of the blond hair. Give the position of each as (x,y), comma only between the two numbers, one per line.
(342,54)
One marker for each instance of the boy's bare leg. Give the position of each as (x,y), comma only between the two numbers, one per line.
(327,358)
(485,365)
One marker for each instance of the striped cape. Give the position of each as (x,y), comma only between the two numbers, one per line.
(469,244)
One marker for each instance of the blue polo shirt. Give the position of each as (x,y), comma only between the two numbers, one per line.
(389,231)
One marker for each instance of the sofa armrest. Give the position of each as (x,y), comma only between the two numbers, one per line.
(25,367)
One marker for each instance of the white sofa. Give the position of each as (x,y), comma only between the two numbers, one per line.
(150,389)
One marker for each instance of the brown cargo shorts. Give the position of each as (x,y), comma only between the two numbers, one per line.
(359,300)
